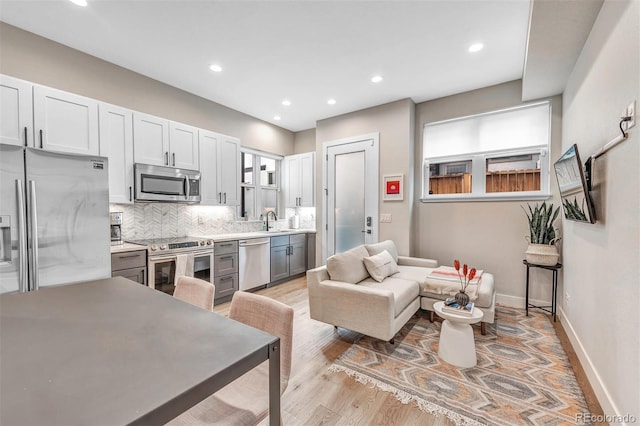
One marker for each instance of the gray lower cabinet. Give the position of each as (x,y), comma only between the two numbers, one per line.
(288,256)
(130,264)
(225,269)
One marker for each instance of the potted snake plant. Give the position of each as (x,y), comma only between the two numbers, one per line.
(542,238)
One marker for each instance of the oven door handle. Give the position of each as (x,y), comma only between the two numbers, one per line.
(161,259)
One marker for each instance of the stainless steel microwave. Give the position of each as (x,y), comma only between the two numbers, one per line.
(168,184)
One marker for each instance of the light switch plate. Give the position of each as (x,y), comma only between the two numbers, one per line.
(385,218)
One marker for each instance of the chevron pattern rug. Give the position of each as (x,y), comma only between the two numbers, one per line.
(523,375)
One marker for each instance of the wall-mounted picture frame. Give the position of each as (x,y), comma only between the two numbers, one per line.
(393,187)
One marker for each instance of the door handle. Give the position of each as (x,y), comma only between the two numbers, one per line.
(130,192)
(41,137)
(25,136)
(368,231)
(34,235)
(22,237)
(173,156)
(166,158)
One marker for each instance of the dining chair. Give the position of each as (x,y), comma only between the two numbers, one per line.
(195,291)
(245,401)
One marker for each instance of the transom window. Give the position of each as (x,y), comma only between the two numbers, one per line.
(496,155)
(260,184)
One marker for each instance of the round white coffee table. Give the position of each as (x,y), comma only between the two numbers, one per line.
(456,345)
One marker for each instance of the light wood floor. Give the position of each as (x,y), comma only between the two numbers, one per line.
(315,396)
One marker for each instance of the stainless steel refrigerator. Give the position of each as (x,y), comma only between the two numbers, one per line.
(54,218)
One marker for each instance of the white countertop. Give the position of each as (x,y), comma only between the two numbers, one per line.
(257,234)
(124,247)
(120,248)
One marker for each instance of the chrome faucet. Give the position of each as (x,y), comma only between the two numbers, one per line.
(274,217)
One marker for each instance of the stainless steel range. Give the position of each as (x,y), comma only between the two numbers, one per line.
(191,256)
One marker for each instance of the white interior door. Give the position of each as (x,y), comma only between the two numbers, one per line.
(351,193)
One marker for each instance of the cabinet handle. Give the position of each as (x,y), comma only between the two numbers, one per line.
(227,278)
(226,257)
(144,280)
(225,198)
(173,156)
(41,139)
(130,194)
(128,256)
(25,136)
(166,158)
(225,244)
(290,250)
(220,197)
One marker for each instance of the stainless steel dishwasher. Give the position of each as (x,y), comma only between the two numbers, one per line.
(255,262)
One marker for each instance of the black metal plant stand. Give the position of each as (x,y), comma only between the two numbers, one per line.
(554,296)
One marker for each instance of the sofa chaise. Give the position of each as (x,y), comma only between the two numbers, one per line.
(372,290)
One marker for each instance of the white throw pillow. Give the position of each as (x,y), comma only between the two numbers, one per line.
(387,245)
(380,266)
(347,266)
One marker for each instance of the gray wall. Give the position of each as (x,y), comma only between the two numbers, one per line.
(488,235)
(304,141)
(393,121)
(602,261)
(30,57)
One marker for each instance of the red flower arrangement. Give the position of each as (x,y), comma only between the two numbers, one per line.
(466,274)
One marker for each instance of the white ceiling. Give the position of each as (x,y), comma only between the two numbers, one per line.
(305,51)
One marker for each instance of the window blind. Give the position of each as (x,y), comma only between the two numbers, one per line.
(514,128)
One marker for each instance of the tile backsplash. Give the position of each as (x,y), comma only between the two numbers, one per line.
(167,220)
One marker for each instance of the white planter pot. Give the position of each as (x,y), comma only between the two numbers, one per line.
(542,254)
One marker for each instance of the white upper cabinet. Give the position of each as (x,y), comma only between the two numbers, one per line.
(229,170)
(151,139)
(16,111)
(220,169)
(183,142)
(299,175)
(208,147)
(116,143)
(161,142)
(65,122)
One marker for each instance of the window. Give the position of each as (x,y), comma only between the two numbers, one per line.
(496,155)
(260,184)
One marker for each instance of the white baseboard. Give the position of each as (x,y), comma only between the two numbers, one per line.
(604,398)
(518,301)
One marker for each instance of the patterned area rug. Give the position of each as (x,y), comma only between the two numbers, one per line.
(523,375)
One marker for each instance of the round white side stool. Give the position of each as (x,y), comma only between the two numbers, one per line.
(457,345)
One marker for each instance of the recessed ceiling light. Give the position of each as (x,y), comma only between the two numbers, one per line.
(286,102)
(331,101)
(82,3)
(476,47)
(215,68)
(277,118)
(376,79)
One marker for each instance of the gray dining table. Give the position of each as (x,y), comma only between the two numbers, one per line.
(115,352)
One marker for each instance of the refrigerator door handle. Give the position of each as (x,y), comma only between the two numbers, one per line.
(22,238)
(33,222)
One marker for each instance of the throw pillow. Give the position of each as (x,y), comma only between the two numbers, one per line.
(380,266)
(348,267)
(387,245)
